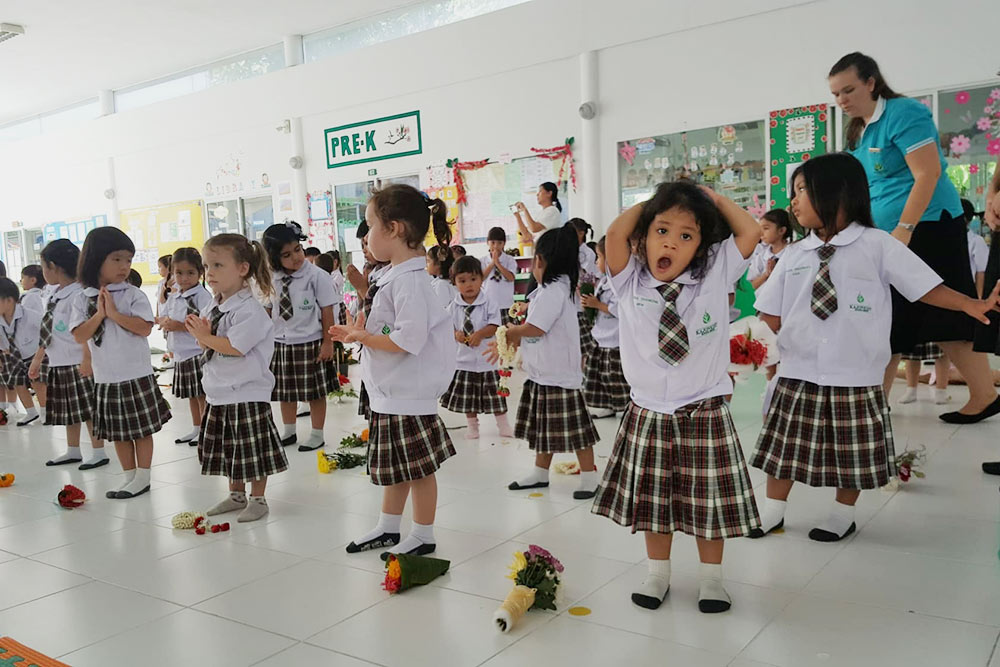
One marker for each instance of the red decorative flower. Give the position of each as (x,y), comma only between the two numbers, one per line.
(822,117)
(774,180)
(812,107)
(962,97)
(822,107)
(774,123)
(772,202)
(774,163)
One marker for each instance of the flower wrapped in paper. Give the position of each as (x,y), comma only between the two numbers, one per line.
(752,346)
(403,571)
(535,573)
(588,288)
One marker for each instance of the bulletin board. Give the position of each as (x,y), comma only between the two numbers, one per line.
(160,230)
(796,135)
(74,230)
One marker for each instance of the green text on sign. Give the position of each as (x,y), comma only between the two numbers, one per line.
(371,140)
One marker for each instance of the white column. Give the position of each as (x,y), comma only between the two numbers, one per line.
(106,100)
(299,186)
(114,215)
(588,147)
(293,50)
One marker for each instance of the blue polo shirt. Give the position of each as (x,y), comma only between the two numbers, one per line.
(899,127)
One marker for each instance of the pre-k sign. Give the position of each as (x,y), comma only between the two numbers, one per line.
(370,140)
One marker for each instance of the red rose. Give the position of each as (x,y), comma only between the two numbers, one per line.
(904,473)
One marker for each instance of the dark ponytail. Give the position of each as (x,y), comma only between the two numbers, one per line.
(553,190)
(415,210)
(442,256)
(62,254)
(276,237)
(34,271)
(439,218)
(779,218)
(866,68)
(559,249)
(582,226)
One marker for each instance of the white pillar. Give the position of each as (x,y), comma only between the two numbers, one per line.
(293,50)
(588,147)
(106,100)
(114,215)
(299,186)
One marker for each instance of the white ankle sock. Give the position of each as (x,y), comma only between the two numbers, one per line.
(287,431)
(419,535)
(97,455)
(840,519)
(710,588)
(387,523)
(472,428)
(657,582)
(537,476)
(772,513)
(941,396)
(30,414)
(139,482)
(72,454)
(909,396)
(41,413)
(315,436)
(504,426)
(588,481)
(129,476)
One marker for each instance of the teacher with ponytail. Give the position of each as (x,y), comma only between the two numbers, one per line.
(550,218)
(894,137)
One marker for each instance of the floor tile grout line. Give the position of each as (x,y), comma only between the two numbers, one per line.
(993,653)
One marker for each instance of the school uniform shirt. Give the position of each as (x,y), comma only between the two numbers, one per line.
(337,278)
(703,306)
(979,253)
(484,313)
(588,261)
(23,328)
(33,299)
(63,350)
(760,259)
(897,128)
(310,290)
(553,359)
(408,311)
(550,218)
(851,347)
(183,344)
(499,290)
(122,355)
(605,329)
(444,290)
(240,379)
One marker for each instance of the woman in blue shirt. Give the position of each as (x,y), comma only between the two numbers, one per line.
(894,137)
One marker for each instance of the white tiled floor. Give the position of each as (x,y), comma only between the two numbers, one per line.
(112,584)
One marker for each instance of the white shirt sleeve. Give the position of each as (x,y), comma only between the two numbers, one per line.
(770,295)
(140,306)
(980,254)
(544,309)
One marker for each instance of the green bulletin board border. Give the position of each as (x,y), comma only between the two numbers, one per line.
(780,159)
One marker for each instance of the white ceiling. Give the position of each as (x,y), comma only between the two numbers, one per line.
(73,48)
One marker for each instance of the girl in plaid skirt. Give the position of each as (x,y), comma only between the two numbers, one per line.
(499,272)
(337,277)
(552,415)
(366,287)
(69,375)
(439,263)
(590,275)
(475,319)
(677,464)
(605,388)
(238,438)
(829,300)
(407,361)
(115,318)
(19,328)
(302,309)
(189,298)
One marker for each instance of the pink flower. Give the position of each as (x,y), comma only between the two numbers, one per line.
(995,94)
(973,168)
(962,97)
(984,122)
(926,101)
(993,147)
(960,144)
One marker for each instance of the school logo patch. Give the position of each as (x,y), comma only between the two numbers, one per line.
(61,326)
(706,318)
(386,330)
(860,306)
(709,328)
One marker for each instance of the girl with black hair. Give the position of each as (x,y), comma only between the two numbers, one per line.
(550,217)
(337,277)
(20,330)
(829,300)
(69,377)
(115,319)
(775,235)
(605,388)
(499,272)
(190,298)
(407,362)
(589,277)
(439,262)
(552,415)
(677,464)
(166,283)
(32,287)
(302,309)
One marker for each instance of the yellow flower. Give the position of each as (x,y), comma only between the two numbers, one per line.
(393,570)
(520,562)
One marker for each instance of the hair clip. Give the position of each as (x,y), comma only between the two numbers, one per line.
(426,196)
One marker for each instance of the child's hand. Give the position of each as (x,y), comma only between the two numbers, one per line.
(86,370)
(108,301)
(460,337)
(34,371)
(771,263)
(199,327)
(475,339)
(491,353)
(351,332)
(590,301)
(326,350)
(978,309)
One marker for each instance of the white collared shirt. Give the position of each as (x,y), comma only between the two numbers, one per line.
(407,310)
(122,355)
(310,290)
(181,343)
(484,313)
(851,347)
(33,299)
(63,350)
(759,260)
(444,291)
(703,307)
(337,278)
(500,291)
(549,218)
(24,328)
(979,253)
(248,378)
(605,329)
(553,359)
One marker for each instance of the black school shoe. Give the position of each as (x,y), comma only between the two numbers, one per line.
(584,495)
(307,448)
(28,421)
(290,440)
(648,601)
(514,486)
(68,461)
(757,533)
(991,467)
(125,495)
(422,550)
(98,464)
(820,535)
(380,542)
(714,606)
(959,418)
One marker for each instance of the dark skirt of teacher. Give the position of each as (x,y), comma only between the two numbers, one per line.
(898,127)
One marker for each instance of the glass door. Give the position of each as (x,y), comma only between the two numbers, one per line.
(223,217)
(350,201)
(258,215)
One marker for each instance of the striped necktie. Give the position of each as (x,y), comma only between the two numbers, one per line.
(824,294)
(192,307)
(467,328)
(45,332)
(674,344)
(216,318)
(98,336)
(285,303)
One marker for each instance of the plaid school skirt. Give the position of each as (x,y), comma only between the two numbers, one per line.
(604,383)
(187,378)
(71,397)
(240,441)
(129,410)
(405,448)
(16,372)
(341,313)
(474,392)
(924,351)
(297,374)
(587,342)
(679,473)
(364,403)
(827,436)
(554,420)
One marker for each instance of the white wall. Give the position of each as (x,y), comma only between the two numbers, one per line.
(503,82)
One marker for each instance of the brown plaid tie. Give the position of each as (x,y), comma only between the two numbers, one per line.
(285,303)
(192,307)
(824,294)
(370,299)
(674,344)
(467,327)
(91,311)
(45,333)
(216,318)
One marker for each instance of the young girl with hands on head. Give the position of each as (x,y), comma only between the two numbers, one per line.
(238,437)
(189,298)
(677,465)
(302,309)
(115,319)
(829,300)
(407,363)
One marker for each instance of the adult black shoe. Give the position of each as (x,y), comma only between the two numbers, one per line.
(991,467)
(514,486)
(820,535)
(959,418)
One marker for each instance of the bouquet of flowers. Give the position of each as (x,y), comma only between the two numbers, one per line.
(354,440)
(327,463)
(908,462)
(404,571)
(588,289)
(70,497)
(535,573)
(752,346)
